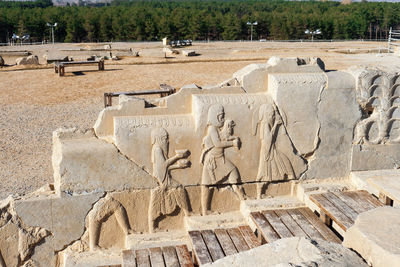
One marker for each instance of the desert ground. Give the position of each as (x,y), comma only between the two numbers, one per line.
(34,101)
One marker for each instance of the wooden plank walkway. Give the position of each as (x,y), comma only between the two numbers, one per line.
(300,222)
(344,207)
(209,246)
(171,256)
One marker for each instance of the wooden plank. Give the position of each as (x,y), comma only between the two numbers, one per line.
(264,227)
(156,257)
(365,196)
(290,223)
(238,239)
(200,248)
(357,198)
(170,257)
(277,224)
(128,258)
(225,241)
(319,225)
(249,236)
(332,211)
(302,221)
(142,258)
(212,244)
(184,256)
(342,206)
(355,205)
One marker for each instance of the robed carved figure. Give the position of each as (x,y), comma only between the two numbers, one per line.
(274,164)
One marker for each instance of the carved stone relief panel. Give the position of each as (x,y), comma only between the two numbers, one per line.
(378,94)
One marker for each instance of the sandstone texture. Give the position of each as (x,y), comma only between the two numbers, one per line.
(294,251)
(374,236)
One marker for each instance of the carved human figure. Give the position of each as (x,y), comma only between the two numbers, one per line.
(216,167)
(274,164)
(101,211)
(169,195)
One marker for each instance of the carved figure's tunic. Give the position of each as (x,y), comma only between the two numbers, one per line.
(164,201)
(216,166)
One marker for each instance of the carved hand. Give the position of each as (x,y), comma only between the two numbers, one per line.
(237,143)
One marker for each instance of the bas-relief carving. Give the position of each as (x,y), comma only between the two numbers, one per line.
(169,195)
(274,165)
(216,167)
(378,94)
(101,211)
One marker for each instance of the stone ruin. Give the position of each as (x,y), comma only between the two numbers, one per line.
(150,170)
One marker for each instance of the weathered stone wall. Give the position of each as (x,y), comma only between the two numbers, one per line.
(147,164)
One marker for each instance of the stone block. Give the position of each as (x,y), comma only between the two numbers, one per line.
(337,113)
(295,251)
(300,114)
(375,157)
(374,236)
(29,60)
(86,164)
(64,217)
(188,53)
(253,78)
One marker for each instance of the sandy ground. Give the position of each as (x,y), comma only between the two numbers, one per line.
(34,101)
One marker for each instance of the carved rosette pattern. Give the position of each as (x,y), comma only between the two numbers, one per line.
(378,94)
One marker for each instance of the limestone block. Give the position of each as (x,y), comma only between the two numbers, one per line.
(29,60)
(85,164)
(374,236)
(55,56)
(295,65)
(253,78)
(338,113)
(375,157)
(188,53)
(295,251)
(64,217)
(170,52)
(91,258)
(300,114)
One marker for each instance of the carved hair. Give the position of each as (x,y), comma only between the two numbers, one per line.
(157,134)
(213,112)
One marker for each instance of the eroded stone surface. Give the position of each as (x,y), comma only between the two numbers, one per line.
(84,163)
(338,112)
(373,235)
(29,60)
(294,252)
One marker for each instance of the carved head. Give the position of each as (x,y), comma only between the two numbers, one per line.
(216,115)
(159,136)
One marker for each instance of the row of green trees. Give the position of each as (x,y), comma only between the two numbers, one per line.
(200,20)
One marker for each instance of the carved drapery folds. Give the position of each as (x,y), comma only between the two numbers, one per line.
(378,94)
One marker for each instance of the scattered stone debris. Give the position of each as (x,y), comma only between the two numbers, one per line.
(29,60)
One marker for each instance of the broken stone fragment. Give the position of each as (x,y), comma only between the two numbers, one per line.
(375,237)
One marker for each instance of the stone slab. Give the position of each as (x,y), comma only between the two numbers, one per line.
(300,114)
(338,112)
(390,186)
(64,217)
(293,251)
(374,236)
(88,164)
(375,157)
